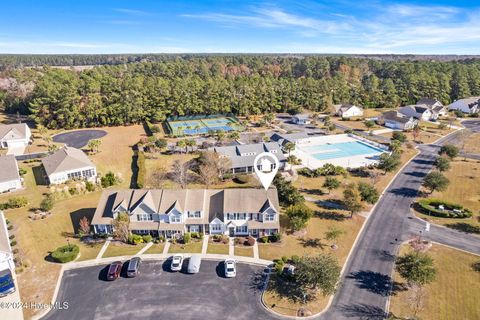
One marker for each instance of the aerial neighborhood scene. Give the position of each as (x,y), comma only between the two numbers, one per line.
(239,160)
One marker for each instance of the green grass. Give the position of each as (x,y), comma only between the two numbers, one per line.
(192,247)
(453,295)
(115,250)
(88,252)
(155,248)
(244,251)
(217,248)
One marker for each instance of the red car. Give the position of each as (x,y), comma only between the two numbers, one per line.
(114,270)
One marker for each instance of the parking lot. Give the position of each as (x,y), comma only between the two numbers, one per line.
(158,293)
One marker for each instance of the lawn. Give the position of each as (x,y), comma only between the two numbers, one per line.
(89,251)
(453,295)
(243,251)
(192,247)
(115,152)
(355,124)
(472,144)
(217,248)
(463,189)
(155,248)
(37,238)
(121,249)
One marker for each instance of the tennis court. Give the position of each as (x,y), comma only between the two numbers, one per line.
(187,126)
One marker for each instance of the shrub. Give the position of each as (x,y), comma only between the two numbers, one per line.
(298,216)
(400,136)
(284,259)
(250,241)
(147,238)
(15,251)
(11,237)
(200,235)
(450,150)
(161,239)
(187,237)
(275,237)
(13,243)
(264,239)
(135,239)
(194,235)
(15,202)
(22,171)
(368,192)
(90,186)
(279,265)
(47,204)
(66,253)
(108,180)
(430,206)
(10,227)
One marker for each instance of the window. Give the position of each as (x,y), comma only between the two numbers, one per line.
(174,218)
(144,217)
(194,214)
(216,227)
(242,229)
(270,217)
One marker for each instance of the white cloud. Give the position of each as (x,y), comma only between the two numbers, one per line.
(132,11)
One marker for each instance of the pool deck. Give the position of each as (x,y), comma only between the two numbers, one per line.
(356,161)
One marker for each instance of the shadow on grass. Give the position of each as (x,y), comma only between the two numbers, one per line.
(76,215)
(464,227)
(312,243)
(329,215)
(286,288)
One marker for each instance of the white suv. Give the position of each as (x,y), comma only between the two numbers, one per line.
(230,268)
(177,261)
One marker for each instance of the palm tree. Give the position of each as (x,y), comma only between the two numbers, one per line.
(182,144)
(190,143)
(220,136)
(234,135)
(289,147)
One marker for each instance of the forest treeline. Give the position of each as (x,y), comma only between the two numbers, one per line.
(246,84)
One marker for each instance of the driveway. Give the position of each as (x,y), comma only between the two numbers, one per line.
(79,138)
(159,294)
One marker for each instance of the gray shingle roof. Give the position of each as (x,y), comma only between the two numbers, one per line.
(18,129)
(244,155)
(66,159)
(395,116)
(9,168)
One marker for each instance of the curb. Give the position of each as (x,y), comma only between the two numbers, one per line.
(330,300)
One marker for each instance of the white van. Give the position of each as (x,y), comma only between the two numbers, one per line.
(194,263)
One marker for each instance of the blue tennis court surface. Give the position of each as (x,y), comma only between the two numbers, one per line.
(340,150)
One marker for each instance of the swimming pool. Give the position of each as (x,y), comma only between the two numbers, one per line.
(340,150)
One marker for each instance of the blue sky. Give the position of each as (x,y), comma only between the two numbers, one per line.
(142,26)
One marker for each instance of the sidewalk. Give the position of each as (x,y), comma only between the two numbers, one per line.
(205,244)
(144,248)
(104,248)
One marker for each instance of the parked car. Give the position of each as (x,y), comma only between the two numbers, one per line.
(114,270)
(230,268)
(133,265)
(194,264)
(177,261)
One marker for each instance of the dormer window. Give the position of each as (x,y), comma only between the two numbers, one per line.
(270,217)
(194,214)
(175,219)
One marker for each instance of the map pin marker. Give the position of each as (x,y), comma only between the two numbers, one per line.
(266,166)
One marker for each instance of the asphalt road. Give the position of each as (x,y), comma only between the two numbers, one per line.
(367,282)
(79,138)
(160,294)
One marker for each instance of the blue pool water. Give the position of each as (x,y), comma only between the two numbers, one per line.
(340,150)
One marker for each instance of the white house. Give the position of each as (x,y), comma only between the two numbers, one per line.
(170,212)
(437,108)
(420,112)
(396,120)
(348,111)
(467,105)
(9,177)
(14,136)
(68,164)
(301,119)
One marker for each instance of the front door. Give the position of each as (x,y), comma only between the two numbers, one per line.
(194,228)
(231,231)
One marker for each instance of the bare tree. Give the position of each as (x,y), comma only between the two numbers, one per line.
(180,169)
(121,226)
(208,175)
(158,178)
